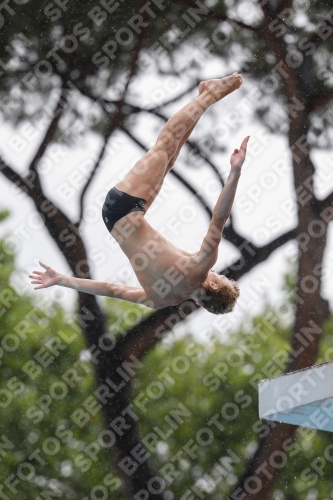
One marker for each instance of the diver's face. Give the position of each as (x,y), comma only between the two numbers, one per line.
(216,279)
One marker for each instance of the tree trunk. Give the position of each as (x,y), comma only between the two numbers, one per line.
(311,312)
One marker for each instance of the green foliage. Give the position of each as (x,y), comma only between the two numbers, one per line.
(213,388)
(4,214)
(37,351)
(122,315)
(208,408)
(197,403)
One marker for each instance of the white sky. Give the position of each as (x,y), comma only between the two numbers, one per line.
(261,210)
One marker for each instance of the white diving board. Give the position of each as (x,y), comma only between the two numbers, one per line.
(303,397)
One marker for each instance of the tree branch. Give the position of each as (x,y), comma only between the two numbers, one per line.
(193,145)
(221,17)
(49,135)
(193,191)
(112,126)
(116,120)
(320,205)
(138,109)
(14,177)
(279,49)
(320,40)
(267,10)
(177,98)
(230,234)
(285,4)
(319,100)
(55,220)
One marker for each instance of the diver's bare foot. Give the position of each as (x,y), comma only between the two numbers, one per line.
(221,87)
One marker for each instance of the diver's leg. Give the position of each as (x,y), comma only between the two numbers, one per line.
(146,177)
(171,163)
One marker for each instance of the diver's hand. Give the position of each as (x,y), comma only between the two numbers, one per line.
(238,156)
(44,279)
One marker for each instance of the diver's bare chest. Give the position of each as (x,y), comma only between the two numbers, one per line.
(166,273)
(171,284)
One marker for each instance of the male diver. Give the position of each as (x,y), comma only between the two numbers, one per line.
(168,275)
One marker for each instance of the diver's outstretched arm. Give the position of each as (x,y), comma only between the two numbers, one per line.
(224,204)
(223,207)
(50,277)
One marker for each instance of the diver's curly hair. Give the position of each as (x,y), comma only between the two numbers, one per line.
(222,300)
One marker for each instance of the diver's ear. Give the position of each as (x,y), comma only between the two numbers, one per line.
(213,286)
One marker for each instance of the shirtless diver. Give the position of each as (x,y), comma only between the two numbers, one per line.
(167,274)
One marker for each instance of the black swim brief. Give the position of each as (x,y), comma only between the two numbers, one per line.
(118,204)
